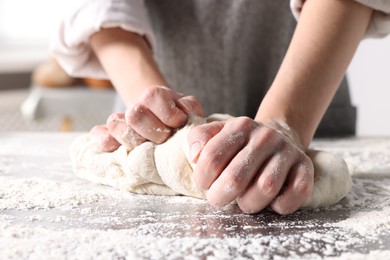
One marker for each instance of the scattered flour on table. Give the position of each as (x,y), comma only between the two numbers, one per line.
(372,255)
(42,218)
(26,242)
(33,240)
(35,193)
(363,156)
(368,222)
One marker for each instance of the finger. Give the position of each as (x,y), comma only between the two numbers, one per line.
(220,150)
(122,132)
(146,124)
(198,136)
(161,102)
(267,185)
(190,105)
(236,177)
(298,189)
(239,175)
(106,142)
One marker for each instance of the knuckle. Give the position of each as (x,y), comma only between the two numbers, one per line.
(285,150)
(134,115)
(304,188)
(304,185)
(199,133)
(274,137)
(176,117)
(150,93)
(307,164)
(116,128)
(115,117)
(195,102)
(238,130)
(193,105)
(266,137)
(242,122)
(98,130)
(268,187)
(131,139)
(191,99)
(234,181)
(109,144)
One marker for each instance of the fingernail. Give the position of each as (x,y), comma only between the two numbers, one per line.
(194,151)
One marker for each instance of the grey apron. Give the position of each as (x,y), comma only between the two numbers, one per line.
(227,53)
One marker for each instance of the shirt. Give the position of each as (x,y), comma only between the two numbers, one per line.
(70,45)
(226,53)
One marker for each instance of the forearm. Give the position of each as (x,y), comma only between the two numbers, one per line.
(127,59)
(325,40)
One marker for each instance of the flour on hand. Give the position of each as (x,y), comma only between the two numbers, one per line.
(164,169)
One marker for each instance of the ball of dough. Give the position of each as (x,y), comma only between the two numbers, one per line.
(332,180)
(164,169)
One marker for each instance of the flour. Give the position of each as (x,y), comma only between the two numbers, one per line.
(32,193)
(365,223)
(360,154)
(88,230)
(372,216)
(48,213)
(373,255)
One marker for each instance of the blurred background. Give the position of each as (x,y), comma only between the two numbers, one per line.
(31,98)
(27,26)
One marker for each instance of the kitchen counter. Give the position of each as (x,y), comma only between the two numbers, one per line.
(46,212)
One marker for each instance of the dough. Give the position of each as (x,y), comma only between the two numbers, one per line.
(332,180)
(165,170)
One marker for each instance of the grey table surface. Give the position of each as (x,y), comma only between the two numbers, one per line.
(47,213)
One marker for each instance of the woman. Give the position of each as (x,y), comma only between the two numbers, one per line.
(227,57)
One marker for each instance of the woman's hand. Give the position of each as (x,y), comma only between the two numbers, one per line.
(153,118)
(159,111)
(246,161)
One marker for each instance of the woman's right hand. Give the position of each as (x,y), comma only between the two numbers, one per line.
(153,118)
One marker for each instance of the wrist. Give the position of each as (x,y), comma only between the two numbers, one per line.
(281,126)
(291,125)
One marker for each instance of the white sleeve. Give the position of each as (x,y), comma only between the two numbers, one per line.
(380,21)
(70,45)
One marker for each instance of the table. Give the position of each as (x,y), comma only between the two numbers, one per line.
(46,212)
